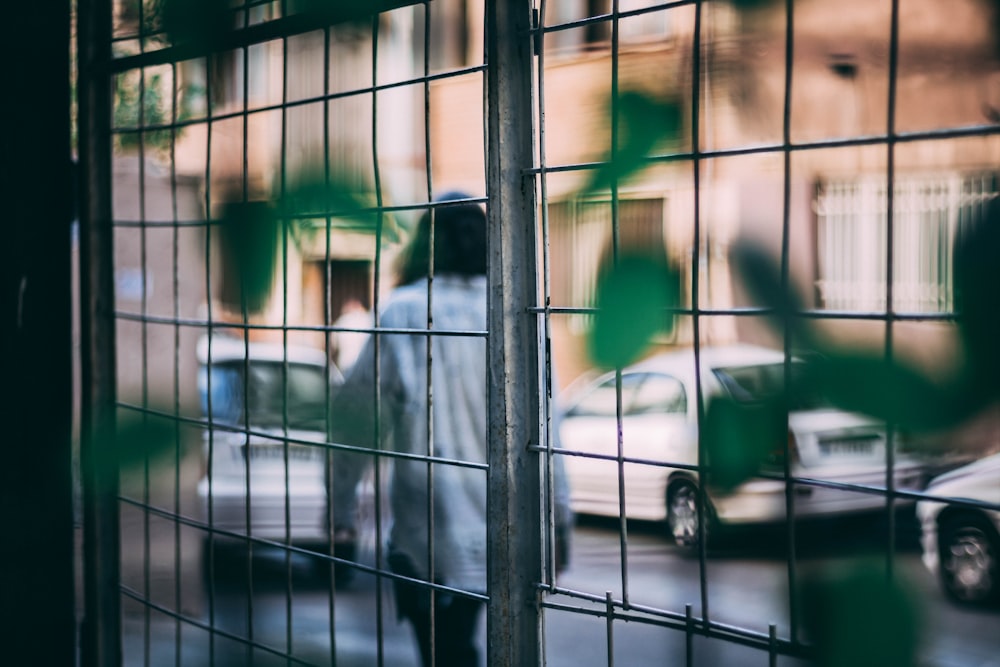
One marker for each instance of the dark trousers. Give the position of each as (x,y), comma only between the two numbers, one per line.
(456,619)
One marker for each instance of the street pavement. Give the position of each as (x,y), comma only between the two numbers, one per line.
(286,606)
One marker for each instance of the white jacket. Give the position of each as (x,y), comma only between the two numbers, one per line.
(459,413)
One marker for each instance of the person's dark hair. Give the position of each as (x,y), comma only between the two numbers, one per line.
(459,241)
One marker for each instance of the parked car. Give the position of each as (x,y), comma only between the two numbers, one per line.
(265,406)
(659,431)
(961,542)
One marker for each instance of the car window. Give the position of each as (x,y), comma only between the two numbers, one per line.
(658,394)
(748,384)
(602,400)
(226,396)
(265,394)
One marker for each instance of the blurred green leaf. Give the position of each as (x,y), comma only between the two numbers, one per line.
(894,392)
(200,24)
(977,296)
(311,197)
(861,381)
(249,241)
(128,111)
(747,5)
(206,25)
(993,7)
(334,12)
(632,300)
(761,277)
(140,438)
(644,121)
(740,438)
(857,618)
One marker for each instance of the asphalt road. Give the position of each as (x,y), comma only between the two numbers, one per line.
(747,586)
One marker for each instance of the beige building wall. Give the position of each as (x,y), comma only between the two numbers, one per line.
(150,286)
(354,133)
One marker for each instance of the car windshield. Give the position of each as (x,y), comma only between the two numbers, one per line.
(265,395)
(748,384)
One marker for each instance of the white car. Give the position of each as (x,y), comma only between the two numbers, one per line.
(265,404)
(961,541)
(659,431)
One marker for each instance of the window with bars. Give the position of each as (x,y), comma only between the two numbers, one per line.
(928,213)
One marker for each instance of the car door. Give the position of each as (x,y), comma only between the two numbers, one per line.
(656,435)
(654,432)
(589,431)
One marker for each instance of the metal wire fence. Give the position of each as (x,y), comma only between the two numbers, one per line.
(254,167)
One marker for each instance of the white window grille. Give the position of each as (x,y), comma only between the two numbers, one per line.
(851,238)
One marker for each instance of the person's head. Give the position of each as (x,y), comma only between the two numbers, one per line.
(459,241)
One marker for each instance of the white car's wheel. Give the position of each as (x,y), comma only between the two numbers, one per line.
(682,513)
(970,560)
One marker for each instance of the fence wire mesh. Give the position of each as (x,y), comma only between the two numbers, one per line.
(718,232)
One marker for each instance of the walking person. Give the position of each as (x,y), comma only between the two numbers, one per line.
(438,530)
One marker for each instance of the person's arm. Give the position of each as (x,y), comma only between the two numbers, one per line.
(353,416)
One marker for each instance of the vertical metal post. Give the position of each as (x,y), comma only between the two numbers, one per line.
(514,549)
(786,226)
(37,623)
(101,632)
(890,301)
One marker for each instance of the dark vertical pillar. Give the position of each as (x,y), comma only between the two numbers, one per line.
(100,640)
(37,610)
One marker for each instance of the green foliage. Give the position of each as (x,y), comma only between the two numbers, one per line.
(895,391)
(634,297)
(761,276)
(995,4)
(740,437)
(856,617)
(248,237)
(634,301)
(644,122)
(311,198)
(148,11)
(860,381)
(136,106)
(140,438)
(206,25)
(855,380)
(251,232)
(200,24)
(357,13)
(977,278)
(750,5)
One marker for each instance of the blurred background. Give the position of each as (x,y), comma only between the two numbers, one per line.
(855,143)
